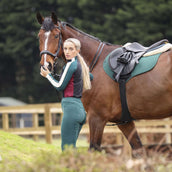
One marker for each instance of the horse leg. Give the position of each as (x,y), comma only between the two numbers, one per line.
(96,126)
(130,132)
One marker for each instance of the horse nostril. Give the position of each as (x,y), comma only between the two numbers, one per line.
(42,67)
(49,66)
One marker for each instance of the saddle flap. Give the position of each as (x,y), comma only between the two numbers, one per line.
(114,55)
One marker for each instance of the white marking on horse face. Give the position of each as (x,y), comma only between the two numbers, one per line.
(45,47)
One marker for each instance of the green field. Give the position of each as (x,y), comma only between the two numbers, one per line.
(23,155)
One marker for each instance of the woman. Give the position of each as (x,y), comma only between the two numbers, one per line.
(74,79)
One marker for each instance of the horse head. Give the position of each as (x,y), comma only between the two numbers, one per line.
(50,40)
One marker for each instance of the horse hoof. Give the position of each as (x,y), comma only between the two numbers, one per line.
(95,148)
(138,153)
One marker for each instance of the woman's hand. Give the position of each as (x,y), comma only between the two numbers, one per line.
(44,71)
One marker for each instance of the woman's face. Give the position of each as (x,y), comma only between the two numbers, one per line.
(70,50)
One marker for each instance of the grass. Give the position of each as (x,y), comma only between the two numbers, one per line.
(13,147)
(81,142)
(23,155)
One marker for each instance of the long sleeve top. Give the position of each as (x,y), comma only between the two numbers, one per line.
(71,82)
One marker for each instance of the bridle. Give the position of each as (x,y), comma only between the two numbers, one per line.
(55,55)
(58,49)
(60,44)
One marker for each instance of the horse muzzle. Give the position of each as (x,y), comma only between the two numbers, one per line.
(48,65)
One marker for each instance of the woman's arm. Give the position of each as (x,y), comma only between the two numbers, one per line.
(91,76)
(65,77)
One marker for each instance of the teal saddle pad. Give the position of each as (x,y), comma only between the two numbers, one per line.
(145,64)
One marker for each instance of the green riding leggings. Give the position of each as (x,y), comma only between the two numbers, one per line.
(74,117)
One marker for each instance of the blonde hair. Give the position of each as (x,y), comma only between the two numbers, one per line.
(85,69)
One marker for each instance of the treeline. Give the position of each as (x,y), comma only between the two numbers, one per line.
(114,21)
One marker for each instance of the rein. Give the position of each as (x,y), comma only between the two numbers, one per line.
(99,50)
(96,57)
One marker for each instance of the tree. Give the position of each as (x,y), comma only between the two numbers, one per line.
(142,21)
(20,52)
(113,21)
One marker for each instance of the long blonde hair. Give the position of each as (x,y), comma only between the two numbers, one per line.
(85,69)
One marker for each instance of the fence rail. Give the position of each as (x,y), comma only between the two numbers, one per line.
(143,126)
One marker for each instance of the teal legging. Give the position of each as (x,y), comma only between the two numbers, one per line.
(74,117)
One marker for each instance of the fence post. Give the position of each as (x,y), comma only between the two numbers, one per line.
(48,124)
(119,139)
(35,125)
(168,134)
(5,121)
(126,147)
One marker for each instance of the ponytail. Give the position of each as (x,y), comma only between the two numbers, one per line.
(85,69)
(85,73)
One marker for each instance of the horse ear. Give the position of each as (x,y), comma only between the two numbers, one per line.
(39,18)
(54,17)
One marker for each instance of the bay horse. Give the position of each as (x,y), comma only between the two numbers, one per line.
(149,95)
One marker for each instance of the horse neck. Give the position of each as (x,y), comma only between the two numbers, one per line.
(89,45)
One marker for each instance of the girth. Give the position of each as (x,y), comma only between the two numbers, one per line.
(122,62)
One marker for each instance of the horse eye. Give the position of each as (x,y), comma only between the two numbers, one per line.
(57,36)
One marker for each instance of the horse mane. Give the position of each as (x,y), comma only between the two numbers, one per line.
(86,34)
(49,25)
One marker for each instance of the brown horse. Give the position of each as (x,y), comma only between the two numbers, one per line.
(149,95)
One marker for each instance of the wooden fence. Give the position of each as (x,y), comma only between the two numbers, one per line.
(144,127)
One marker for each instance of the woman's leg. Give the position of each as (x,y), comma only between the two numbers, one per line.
(79,127)
(73,119)
(68,132)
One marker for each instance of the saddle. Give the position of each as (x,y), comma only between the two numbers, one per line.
(123,60)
